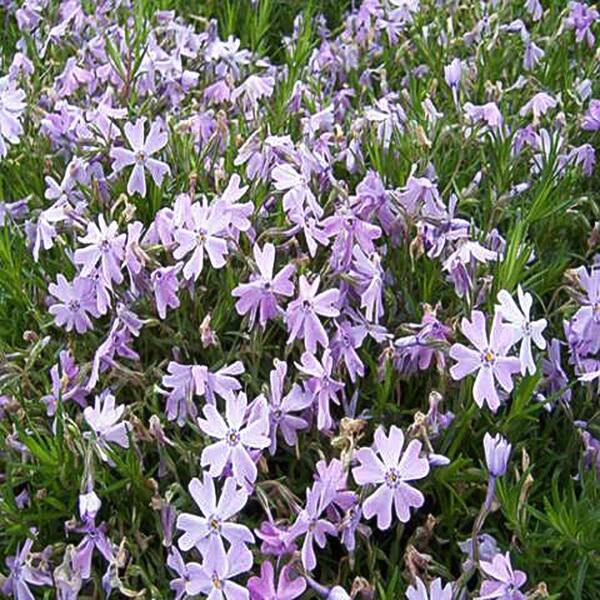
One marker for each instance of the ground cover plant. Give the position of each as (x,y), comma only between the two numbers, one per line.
(299,299)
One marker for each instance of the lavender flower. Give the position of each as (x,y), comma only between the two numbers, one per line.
(436,591)
(288,587)
(302,316)
(213,577)
(140,155)
(523,329)
(106,247)
(12,106)
(235,439)
(76,303)
(259,295)
(488,359)
(104,419)
(206,532)
(23,573)
(503,582)
(391,470)
(165,284)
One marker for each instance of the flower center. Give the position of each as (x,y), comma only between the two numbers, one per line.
(277,414)
(74,305)
(392,478)
(526,328)
(306,305)
(215,524)
(233,437)
(104,246)
(216,581)
(488,358)
(201,236)
(140,157)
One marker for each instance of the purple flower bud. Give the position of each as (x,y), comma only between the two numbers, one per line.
(497,451)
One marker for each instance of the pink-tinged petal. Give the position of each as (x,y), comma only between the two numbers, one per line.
(122,158)
(137,181)
(309,560)
(411,465)
(203,493)
(216,248)
(405,498)
(484,389)
(289,588)
(504,368)
(390,447)
(255,435)
(236,533)
(537,327)
(215,457)
(195,529)
(469,361)
(265,259)
(156,140)
(508,308)
(239,559)
(325,304)
(232,499)
(135,134)
(502,336)
(235,410)
(234,591)
(380,503)
(213,424)
(244,469)
(158,170)
(193,267)
(371,469)
(314,333)
(475,330)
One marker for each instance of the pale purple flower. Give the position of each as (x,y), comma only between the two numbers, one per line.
(288,587)
(524,330)
(488,113)
(321,384)
(207,531)
(312,525)
(555,379)
(12,106)
(95,538)
(497,452)
(488,359)
(176,563)
(581,17)
(539,105)
(298,195)
(347,339)
(534,8)
(532,55)
(503,582)
(206,232)
(213,578)
(106,247)
(392,471)
(302,315)
(75,303)
(259,295)
(436,591)
(591,119)
(104,419)
(453,75)
(23,574)
(282,407)
(140,156)
(165,285)
(369,275)
(237,435)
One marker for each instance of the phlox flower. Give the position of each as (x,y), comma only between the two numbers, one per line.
(302,315)
(488,359)
(106,247)
(75,303)
(104,419)
(288,587)
(165,285)
(12,106)
(140,155)
(237,435)
(524,330)
(259,296)
(207,531)
(23,574)
(419,591)
(213,578)
(391,469)
(369,274)
(321,385)
(503,582)
(204,232)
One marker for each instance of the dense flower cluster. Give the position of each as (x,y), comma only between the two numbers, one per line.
(240,264)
